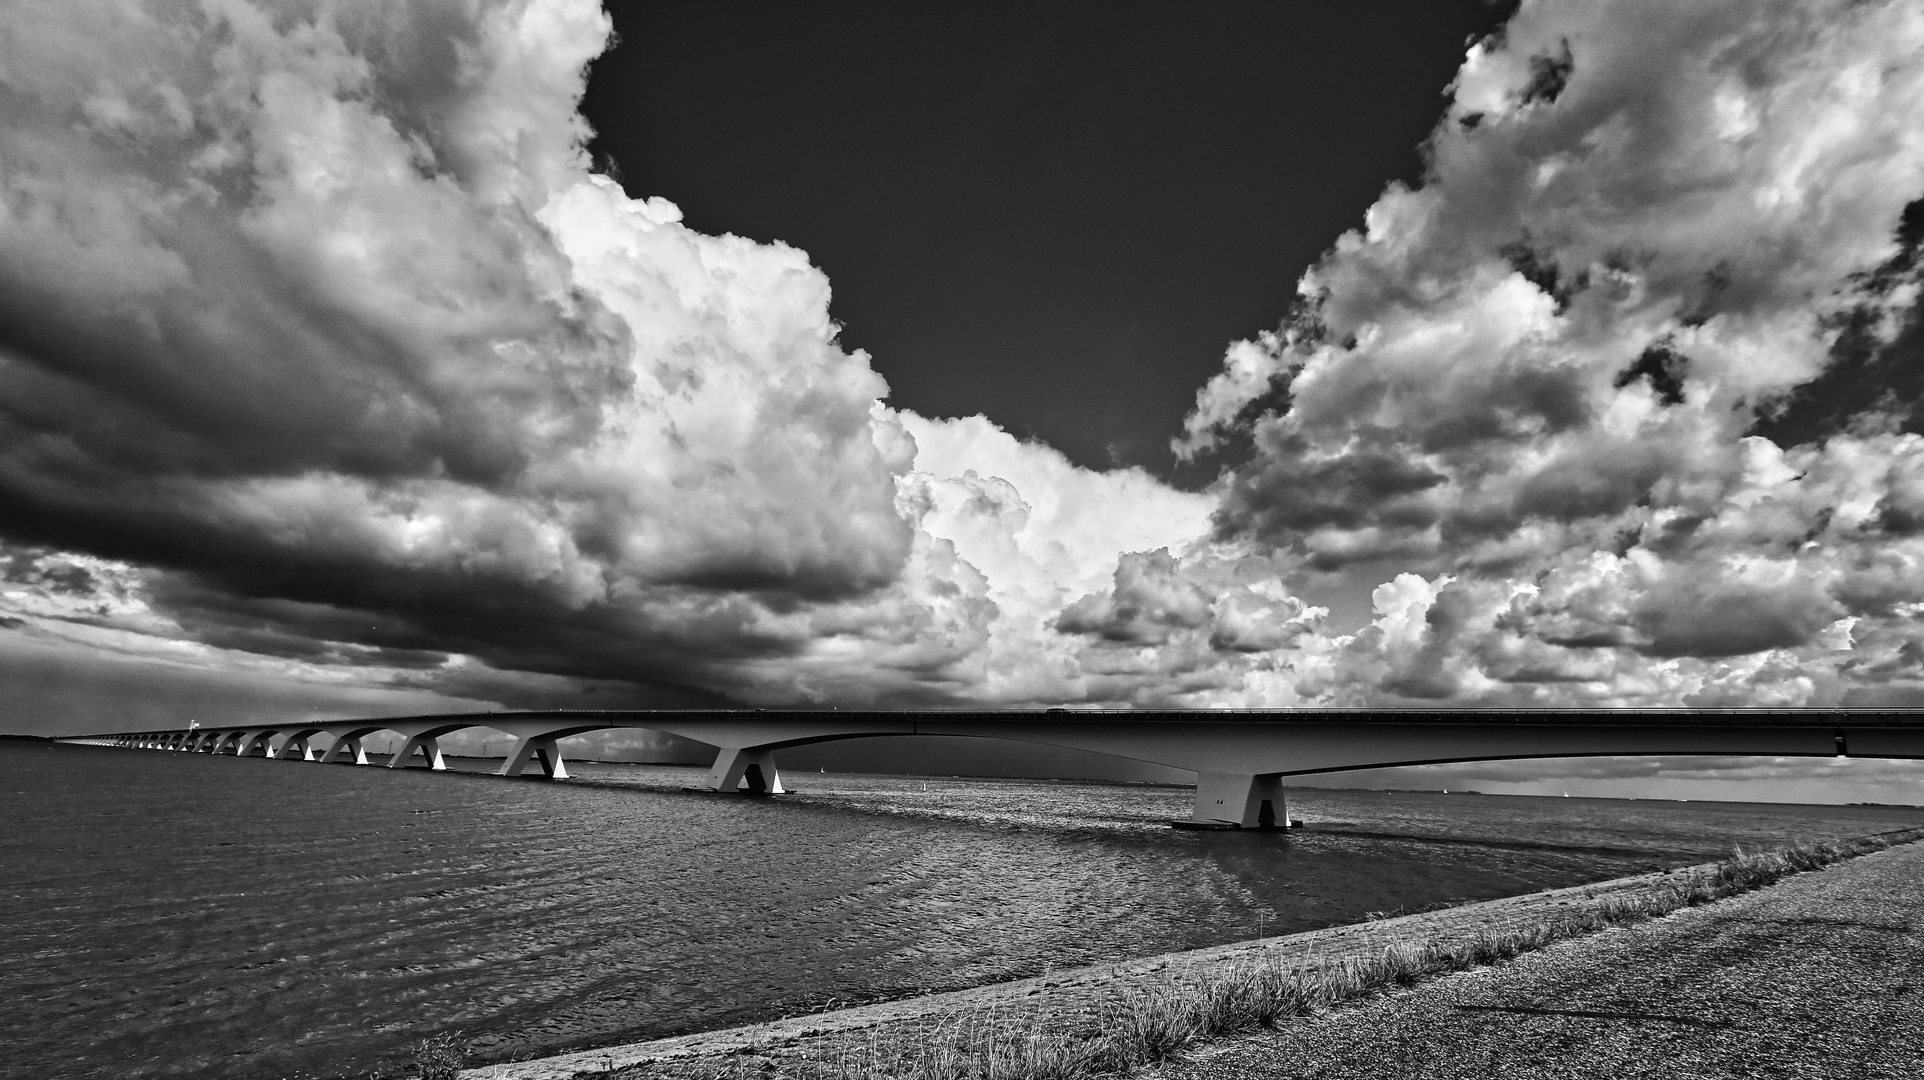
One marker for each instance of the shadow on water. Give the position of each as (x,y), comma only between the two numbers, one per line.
(184,915)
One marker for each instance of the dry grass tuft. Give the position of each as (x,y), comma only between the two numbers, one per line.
(440,1057)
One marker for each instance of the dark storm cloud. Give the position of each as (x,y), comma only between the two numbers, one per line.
(56,688)
(1290,490)
(1595,480)
(315,310)
(1149,602)
(1697,618)
(322,349)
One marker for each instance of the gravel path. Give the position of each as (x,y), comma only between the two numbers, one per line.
(1821,975)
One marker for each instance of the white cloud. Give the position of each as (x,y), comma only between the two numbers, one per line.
(333,329)
(326,347)
(1646,226)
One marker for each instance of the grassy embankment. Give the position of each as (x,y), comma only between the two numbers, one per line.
(1152,1023)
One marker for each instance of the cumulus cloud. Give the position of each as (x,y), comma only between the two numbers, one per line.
(1622,385)
(324,352)
(315,324)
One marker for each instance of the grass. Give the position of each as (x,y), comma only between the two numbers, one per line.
(1184,1008)
(440,1057)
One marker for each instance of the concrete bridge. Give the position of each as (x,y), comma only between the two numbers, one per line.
(1239,757)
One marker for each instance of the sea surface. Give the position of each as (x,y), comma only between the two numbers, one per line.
(182,915)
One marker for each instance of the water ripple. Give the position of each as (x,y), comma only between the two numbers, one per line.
(181,915)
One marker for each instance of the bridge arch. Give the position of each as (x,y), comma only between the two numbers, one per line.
(297,739)
(347,743)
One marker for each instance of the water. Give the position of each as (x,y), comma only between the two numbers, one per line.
(174,914)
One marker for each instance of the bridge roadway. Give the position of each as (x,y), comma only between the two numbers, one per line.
(1240,757)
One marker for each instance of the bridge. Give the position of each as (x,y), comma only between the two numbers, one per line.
(1239,757)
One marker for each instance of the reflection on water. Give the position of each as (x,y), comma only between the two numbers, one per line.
(184,915)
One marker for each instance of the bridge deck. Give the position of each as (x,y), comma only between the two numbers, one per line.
(1239,756)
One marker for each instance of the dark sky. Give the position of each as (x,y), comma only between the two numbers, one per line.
(1054,214)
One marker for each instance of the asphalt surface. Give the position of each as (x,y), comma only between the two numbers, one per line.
(1820,975)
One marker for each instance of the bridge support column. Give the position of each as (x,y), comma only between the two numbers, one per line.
(734,765)
(426,746)
(1235,800)
(347,749)
(292,745)
(540,749)
(259,740)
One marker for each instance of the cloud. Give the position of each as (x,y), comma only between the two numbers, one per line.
(315,326)
(318,312)
(324,356)
(1621,385)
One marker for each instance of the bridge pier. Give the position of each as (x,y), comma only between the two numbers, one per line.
(346,748)
(257,740)
(755,766)
(293,743)
(424,744)
(1238,801)
(540,749)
